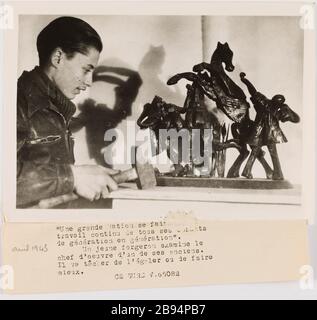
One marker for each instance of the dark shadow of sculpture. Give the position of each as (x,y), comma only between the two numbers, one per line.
(97,118)
(150,69)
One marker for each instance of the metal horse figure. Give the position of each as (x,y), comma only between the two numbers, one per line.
(230,98)
(198,117)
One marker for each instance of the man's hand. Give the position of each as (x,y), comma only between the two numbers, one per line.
(93,182)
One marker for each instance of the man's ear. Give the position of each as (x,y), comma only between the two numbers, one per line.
(57,57)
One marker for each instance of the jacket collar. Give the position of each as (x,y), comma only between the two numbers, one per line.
(42,93)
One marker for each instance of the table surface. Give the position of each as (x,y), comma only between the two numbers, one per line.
(277,196)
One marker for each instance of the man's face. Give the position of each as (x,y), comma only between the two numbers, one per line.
(75,74)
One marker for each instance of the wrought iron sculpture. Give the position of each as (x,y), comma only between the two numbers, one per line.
(211,81)
(266,130)
(159,115)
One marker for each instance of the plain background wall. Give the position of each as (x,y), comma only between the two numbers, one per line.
(267,49)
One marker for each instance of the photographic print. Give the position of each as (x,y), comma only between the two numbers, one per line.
(212,103)
(151,141)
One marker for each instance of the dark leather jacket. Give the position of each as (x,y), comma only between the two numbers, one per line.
(44,143)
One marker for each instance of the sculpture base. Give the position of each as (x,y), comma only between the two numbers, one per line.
(229,183)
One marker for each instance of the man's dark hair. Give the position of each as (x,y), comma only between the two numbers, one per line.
(68,33)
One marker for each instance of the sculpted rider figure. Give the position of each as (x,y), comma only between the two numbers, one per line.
(266,130)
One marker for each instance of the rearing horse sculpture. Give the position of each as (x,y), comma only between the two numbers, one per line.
(266,130)
(198,117)
(230,98)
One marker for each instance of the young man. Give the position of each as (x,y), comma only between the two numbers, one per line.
(68,51)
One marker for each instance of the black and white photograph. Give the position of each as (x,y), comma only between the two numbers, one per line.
(144,143)
(166,108)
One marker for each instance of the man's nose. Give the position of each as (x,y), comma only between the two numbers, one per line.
(88,79)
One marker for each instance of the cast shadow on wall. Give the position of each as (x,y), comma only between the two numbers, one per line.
(97,118)
(150,68)
(131,91)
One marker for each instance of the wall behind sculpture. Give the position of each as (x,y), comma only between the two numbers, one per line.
(267,49)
